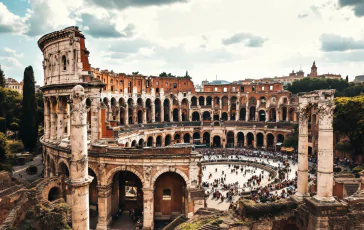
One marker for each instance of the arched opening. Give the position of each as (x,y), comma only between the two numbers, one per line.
(206,138)
(196,138)
(195,116)
(167,110)
(140,116)
(169,196)
(141,142)
(127,145)
(272,115)
(252,113)
(126,194)
(240,139)
(52,168)
(187,138)
(201,101)
(284,113)
(63,173)
(148,106)
(242,115)
(291,115)
(209,101)
(185,109)
(233,111)
(224,116)
(230,139)
(122,116)
(261,115)
(175,114)
(92,196)
(216,102)
(158,141)
(217,142)
(206,116)
(263,101)
(133,143)
(193,101)
(177,138)
(140,102)
(225,103)
(150,141)
(216,117)
(64,63)
(54,194)
(167,140)
(157,105)
(250,139)
(280,138)
(130,116)
(270,140)
(260,140)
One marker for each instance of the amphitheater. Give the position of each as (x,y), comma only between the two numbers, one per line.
(141,131)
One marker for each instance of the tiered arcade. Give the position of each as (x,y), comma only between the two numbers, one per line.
(135,126)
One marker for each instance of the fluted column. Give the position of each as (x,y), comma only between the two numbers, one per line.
(95,106)
(60,118)
(79,179)
(53,120)
(302,177)
(325,176)
(47,122)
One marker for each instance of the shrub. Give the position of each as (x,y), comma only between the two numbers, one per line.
(2,124)
(32,169)
(6,167)
(16,147)
(4,148)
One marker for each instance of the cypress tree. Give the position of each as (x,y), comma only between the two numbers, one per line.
(2,78)
(29,125)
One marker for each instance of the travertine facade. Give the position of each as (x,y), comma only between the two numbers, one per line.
(127,129)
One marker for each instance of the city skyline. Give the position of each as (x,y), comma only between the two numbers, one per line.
(233,40)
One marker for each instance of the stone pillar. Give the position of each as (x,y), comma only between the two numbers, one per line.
(47,122)
(277,115)
(95,106)
(79,179)
(302,177)
(179,114)
(144,115)
(109,112)
(152,112)
(53,120)
(245,140)
(148,199)
(247,114)
(60,118)
(237,113)
(265,140)
(325,176)
(126,114)
(104,192)
(162,113)
(68,119)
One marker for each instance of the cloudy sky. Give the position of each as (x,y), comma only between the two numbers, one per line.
(233,39)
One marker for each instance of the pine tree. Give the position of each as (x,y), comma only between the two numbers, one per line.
(29,127)
(2,78)
(347,78)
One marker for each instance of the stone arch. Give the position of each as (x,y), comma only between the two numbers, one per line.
(111,173)
(62,160)
(95,169)
(170,169)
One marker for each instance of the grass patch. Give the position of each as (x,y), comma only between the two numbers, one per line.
(196,225)
(15,146)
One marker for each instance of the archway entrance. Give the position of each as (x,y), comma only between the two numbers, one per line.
(140,116)
(126,194)
(224,116)
(186,138)
(260,140)
(230,139)
(261,115)
(250,139)
(63,173)
(195,116)
(242,114)
(216,117)
(206,116)
(169,196)
(270,140)
(206,138)
(92,199)
(150,142)
(175,115)
(54,194)
(217,142)
(177,138)
(240,139)
(158,141)
(167,140)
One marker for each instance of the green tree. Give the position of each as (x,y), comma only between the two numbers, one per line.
(4,148)
(347,78)
(2,125)
(29,127)
(2,78)
(14,127)
(310,84)
(349,120)
(292,140)
(352,91)
(40,106)
(10,105)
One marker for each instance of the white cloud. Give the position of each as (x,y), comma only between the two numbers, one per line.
(9,22)
(13,52)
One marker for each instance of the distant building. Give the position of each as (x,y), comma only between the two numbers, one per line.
(11,83)
(314,74)
(359,79)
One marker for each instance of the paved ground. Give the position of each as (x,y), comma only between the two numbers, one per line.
(20,170)
(233,177)
(123,223)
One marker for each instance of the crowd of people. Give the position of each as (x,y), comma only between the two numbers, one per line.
(277,188)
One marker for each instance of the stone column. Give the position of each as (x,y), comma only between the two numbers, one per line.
(109,112)
(152,112)
(126,114)
(265,140)
(247,114)
(148,199)
(277,115)
(47,122)
(60,118)
(53,120)
(144,115)
(325,164)
(68,119)
(302,177)
(95,106)
(162,113)
(104,192)
(179,114)
(79,179)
